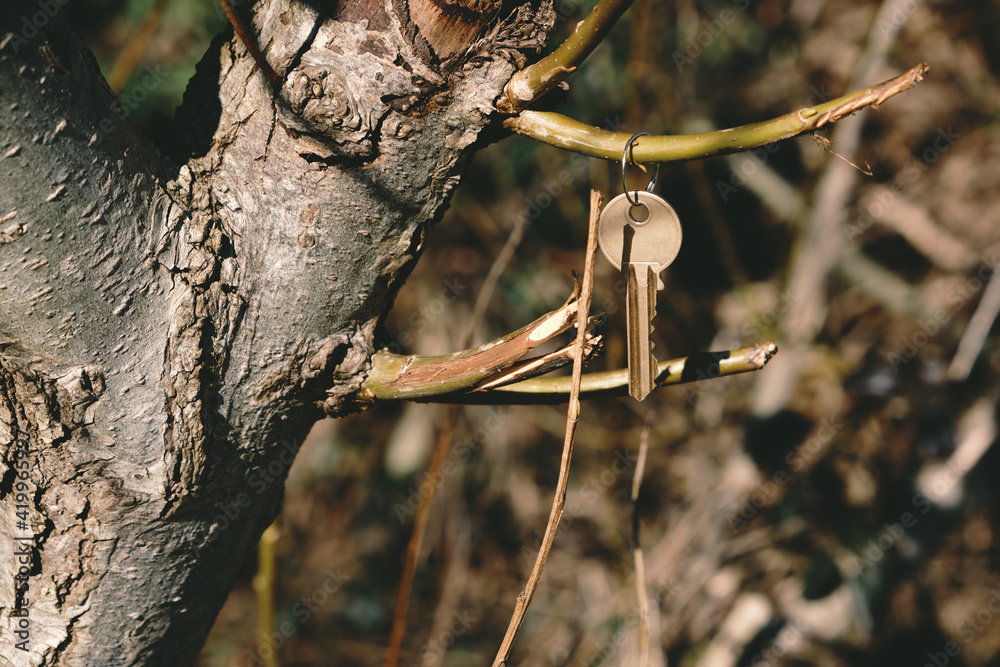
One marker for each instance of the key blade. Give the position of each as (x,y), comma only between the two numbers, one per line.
(640,310)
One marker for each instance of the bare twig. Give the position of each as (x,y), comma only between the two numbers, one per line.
(640,564)
(572,416)
(249,41)
(564,132)
(440,454)
(417,541)
(532,82)
(701,366)
(492,278)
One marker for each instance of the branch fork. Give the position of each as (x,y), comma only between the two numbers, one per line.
(490,366)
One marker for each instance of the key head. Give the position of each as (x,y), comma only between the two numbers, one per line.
(648,233)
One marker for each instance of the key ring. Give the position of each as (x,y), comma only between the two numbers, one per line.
(626,158)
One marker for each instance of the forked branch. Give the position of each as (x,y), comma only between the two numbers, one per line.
(532,82)
(553,391)
(409,377)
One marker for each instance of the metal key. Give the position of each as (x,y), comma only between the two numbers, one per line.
(641,241)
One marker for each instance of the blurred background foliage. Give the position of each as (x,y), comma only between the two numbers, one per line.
(838,508)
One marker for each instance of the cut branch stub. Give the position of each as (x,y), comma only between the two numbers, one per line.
(608,384)
(493,364)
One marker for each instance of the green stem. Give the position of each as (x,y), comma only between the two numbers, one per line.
(532,82)
(564,132)
(263,585)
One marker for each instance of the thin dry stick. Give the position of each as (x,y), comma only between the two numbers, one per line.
(572,415)
(417,541)
(441,449)
(246,36)
(640,563)
(490,282)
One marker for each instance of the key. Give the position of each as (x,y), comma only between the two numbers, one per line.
(641,241)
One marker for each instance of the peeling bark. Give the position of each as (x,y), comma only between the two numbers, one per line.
(177,309)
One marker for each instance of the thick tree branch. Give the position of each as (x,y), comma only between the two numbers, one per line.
(171,324)
(564,132)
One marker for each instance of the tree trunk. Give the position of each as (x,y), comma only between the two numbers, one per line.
(177,310)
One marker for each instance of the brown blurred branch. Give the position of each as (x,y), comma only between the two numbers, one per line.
(572,416)
(439,456)
(136,45)
(823,241)
(417,540)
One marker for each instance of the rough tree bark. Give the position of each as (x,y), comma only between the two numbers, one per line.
(177,309)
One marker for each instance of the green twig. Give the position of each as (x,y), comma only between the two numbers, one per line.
(532,82)
(564,132)
(263,584)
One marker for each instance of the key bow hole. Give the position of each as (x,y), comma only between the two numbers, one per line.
(638,214)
